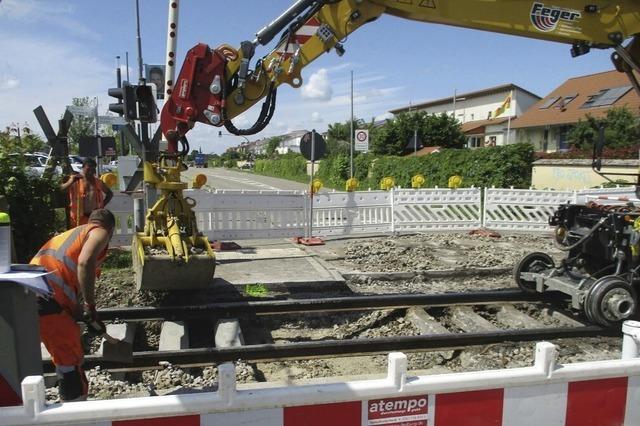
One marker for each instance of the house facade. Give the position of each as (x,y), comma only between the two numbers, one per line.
(546,124)
(485,114)
(291,142)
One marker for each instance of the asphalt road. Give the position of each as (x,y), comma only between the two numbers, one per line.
(221,178)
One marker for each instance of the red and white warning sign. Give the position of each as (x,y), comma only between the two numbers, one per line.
(403,411)
(300,37)
(362,140)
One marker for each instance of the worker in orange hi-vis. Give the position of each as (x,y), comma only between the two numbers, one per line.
(74,259)
(86,193)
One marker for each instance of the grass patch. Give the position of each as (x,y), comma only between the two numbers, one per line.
(117,259)
(256,290)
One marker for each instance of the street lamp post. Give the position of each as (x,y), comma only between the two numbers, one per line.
(456,98)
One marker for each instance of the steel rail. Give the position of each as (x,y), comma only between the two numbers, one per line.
(334,348)
(290,306)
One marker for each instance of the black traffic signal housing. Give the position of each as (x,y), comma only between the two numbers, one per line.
(147,110)
(126,106)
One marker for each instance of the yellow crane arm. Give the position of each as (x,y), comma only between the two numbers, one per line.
(216,85)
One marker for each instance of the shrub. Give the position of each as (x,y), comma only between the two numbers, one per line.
(502,166)
(31,206)
(289,166)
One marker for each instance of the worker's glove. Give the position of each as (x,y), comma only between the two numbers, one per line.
(95,327)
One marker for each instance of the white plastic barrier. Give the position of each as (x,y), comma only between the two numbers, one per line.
(522,209)
(595,393)
(121,205)
(226,214)
(620,195)
(436,209)
(348,213)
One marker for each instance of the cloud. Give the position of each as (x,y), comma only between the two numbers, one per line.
(51,78)
(8,82)
(318,88)
(316,117)
(55,14)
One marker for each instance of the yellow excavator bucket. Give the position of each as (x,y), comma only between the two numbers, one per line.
(155,269)
(170,254)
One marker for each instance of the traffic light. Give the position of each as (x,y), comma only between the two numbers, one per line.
(147,110)
(126,105)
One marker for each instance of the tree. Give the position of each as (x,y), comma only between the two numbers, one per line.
(338,136)
(621,129)
(20,140)
(80,126)
(272,144)
(394,138)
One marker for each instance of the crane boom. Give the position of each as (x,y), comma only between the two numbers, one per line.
(216,85)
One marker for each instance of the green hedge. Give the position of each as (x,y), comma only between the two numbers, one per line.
(31,206)
(502,166)
(289,166)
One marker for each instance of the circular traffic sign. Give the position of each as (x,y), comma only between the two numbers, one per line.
(361,135)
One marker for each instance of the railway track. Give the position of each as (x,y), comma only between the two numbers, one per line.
(476,329)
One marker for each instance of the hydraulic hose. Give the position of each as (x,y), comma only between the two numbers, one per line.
(584,238)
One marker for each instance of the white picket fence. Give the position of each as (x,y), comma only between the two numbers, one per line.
(225,214)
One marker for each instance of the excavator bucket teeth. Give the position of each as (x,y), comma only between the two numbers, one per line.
(161,272)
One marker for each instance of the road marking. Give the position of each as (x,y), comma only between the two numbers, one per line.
(245,181)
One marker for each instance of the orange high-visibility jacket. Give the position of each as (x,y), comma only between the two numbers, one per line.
(77,193)
(60,256)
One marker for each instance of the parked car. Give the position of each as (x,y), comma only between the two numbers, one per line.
(247,166)
(76,163)
(36,163)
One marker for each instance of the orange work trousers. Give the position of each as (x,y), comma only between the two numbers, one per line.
(61,336)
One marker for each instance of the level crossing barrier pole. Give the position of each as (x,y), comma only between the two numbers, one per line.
(313,161)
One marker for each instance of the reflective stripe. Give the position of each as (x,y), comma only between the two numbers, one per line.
(61,369)
(70,263)
(61,251)
(45,252)
(66,289)
(70,240)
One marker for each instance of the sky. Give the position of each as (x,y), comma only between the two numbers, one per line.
(54,50)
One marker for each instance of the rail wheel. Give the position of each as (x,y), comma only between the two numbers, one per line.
(610,301)
(533,262)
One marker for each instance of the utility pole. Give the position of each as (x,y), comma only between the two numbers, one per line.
(98,139)
(139,40)
(149,191)
(351,131)
(127,64)
(119,85)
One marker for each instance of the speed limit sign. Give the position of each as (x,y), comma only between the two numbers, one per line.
(362,140)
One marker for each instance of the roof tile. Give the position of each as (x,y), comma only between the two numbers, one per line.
(572,112)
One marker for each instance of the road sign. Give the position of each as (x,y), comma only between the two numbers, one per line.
(111,120)
(319,146)
(81,110)
(362,140)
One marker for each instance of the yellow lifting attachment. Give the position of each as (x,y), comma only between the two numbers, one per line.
(170,254)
